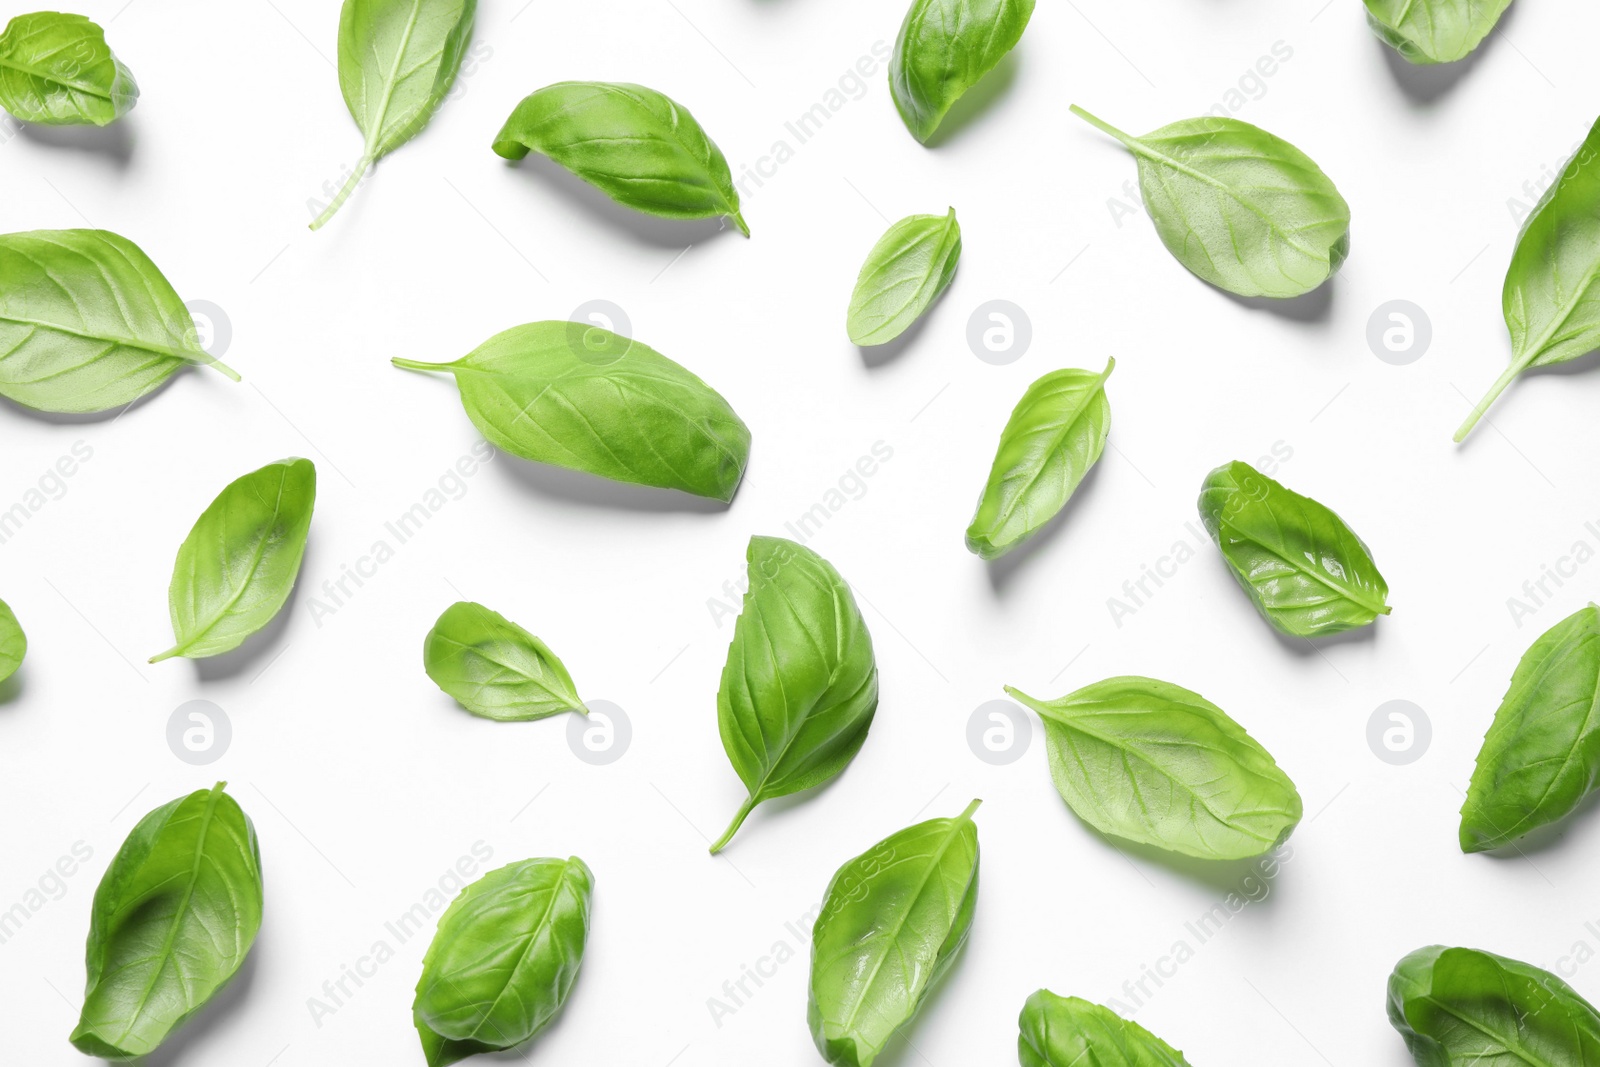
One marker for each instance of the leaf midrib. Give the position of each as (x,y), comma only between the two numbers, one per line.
(1325,579)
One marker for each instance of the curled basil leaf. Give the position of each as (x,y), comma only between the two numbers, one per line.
(800,685)
(88,323)
(1152,762)
(1434,31)
(57,70)
(944,48)
(504,959)
(639,147)
(906,271)
(1069,1032)
(237,567)
(495,668)
(173,918)
(13,642)
(892,922)
(1242,209)
(1055,434)
(1308,573)
(577,396)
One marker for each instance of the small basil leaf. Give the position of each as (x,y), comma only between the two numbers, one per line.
(237,567)
(88,323)
(641,148)
(800,685)
(504,959)
(1055,434)
(1152,762)
(944,48)
(13,642)
(892,922)
(397,61)
(1308,573)
(57,70)
(1069,1032)
(906,271)
(1459,1006)
(173,918)
(1244,210)
(584,398)
(495,668)
(1434,31)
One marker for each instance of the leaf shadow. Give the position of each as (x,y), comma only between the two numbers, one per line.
(874,356)
(1313,307)
(979,100)
(223,1007)
(113,142)
(591,490)
(1424,83)
(582,198)
(1003,569)
(1216,875)
(1542,839)
(261,647)
(1306,647)
(69,418)
(779,808)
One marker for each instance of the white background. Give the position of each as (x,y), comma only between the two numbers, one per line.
(366,784)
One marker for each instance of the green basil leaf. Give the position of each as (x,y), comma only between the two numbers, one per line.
(57,70)
(1152,762)
(1459,1006)
(173,918)
(577,396)
(237,567)
(13,642)
(1069,1032)
(87,322)
(1308,573)
(1055,434)
(944,48)
(504,959)
(495,668)
(1434,31)
(1551,299)
(800,685)
(1541,756)
(906,271)
(892,922)
(641,148)
(397,61)
(1246,211)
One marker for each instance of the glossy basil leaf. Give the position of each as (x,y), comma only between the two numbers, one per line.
(1434,31)
(1308,573)
(1055,434)
(641,148)
(892,922)
(906,271)
(944,48)
(577,396)
(800,685)
(1069,1032)
(1152,762)
(397,61)
(88,323)
(57,70)
(13,642)
(173,918)
(495,668)
(1551,299)
(1460,1007)
(504,959)
(1242,209)
(237,567)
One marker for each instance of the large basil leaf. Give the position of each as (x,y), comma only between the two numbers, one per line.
(584,398)
(906,271)
(397,60)
(1152,762)
(1551,299)
(1434,31)
(237,567)
(495,668)
(1055,434)
(1069,1032)
(639,147)
(57,70)
(1541,756)
(87,322)
(1308,573)
(1460,1007)
(504,959)
(13,642)
(944,48)
(800,685)
(1246,211)
(173,918)
(892,922)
